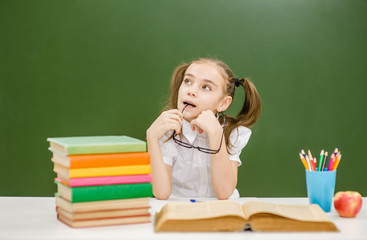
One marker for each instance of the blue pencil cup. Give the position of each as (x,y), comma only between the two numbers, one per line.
(321,187)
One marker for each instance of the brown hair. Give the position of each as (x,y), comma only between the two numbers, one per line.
(251,108)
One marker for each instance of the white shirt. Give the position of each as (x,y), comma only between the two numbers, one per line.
(191,169)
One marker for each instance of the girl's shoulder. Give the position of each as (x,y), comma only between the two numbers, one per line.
(239,138)
(240,132)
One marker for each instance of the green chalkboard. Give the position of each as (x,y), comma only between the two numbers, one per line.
(90,67)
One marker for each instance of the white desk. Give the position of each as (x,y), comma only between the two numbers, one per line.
(35,218)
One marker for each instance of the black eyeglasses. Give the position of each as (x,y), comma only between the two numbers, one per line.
(201,149)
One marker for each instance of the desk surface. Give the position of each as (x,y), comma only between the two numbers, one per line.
(35,218)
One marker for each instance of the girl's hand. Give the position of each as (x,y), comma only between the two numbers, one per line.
(206,122)
(171,119)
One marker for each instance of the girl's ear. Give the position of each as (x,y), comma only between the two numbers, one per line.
(225,103)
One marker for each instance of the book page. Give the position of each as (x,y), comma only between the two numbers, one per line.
(298,212)
(203,210)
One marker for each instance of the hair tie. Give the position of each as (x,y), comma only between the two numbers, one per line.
(237,82)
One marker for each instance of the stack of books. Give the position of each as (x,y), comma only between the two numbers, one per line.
(101,180)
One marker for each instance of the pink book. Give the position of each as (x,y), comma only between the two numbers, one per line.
(105,180)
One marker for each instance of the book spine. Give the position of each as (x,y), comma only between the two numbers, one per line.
(110,192)
(109,180)
(107,205)
(98,149)
(103,222)
(104,214)
(109,171)
(109,160)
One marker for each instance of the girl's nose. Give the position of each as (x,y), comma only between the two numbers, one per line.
(192,91)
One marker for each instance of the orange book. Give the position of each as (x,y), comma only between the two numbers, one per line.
(101,160)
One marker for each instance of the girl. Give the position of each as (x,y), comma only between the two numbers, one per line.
(195,149)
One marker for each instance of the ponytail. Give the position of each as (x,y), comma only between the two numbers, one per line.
(251,108)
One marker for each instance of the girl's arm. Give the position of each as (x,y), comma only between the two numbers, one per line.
(223,170)
(161,172)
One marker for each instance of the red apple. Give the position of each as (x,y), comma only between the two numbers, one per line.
(348,203)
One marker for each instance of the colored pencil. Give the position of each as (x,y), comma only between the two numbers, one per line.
(324,161)
(331,162)
(309,154)
(309,163)
(338,157)
(336,150)
(303,161)
(321,159)
(314,164)
(303,153)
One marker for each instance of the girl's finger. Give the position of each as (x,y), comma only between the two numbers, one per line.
(176,112)
(176,118)
(193,124)
(200,130)
(167,117)
(175,125)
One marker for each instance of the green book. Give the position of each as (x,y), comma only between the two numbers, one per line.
(96,145)
(104,192)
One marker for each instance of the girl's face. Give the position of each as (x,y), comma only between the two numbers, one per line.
(203,88)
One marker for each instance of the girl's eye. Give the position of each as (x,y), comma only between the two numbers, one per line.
(207,88)
(187,81)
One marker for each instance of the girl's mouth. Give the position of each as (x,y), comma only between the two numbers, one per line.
(189,104)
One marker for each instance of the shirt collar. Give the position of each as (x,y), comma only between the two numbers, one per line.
(187,131)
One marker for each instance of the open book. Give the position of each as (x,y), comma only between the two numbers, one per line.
(227,215)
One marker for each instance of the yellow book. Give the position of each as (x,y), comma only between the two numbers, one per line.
(101,171)
(227,215)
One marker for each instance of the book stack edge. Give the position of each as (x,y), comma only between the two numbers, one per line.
(101,180)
